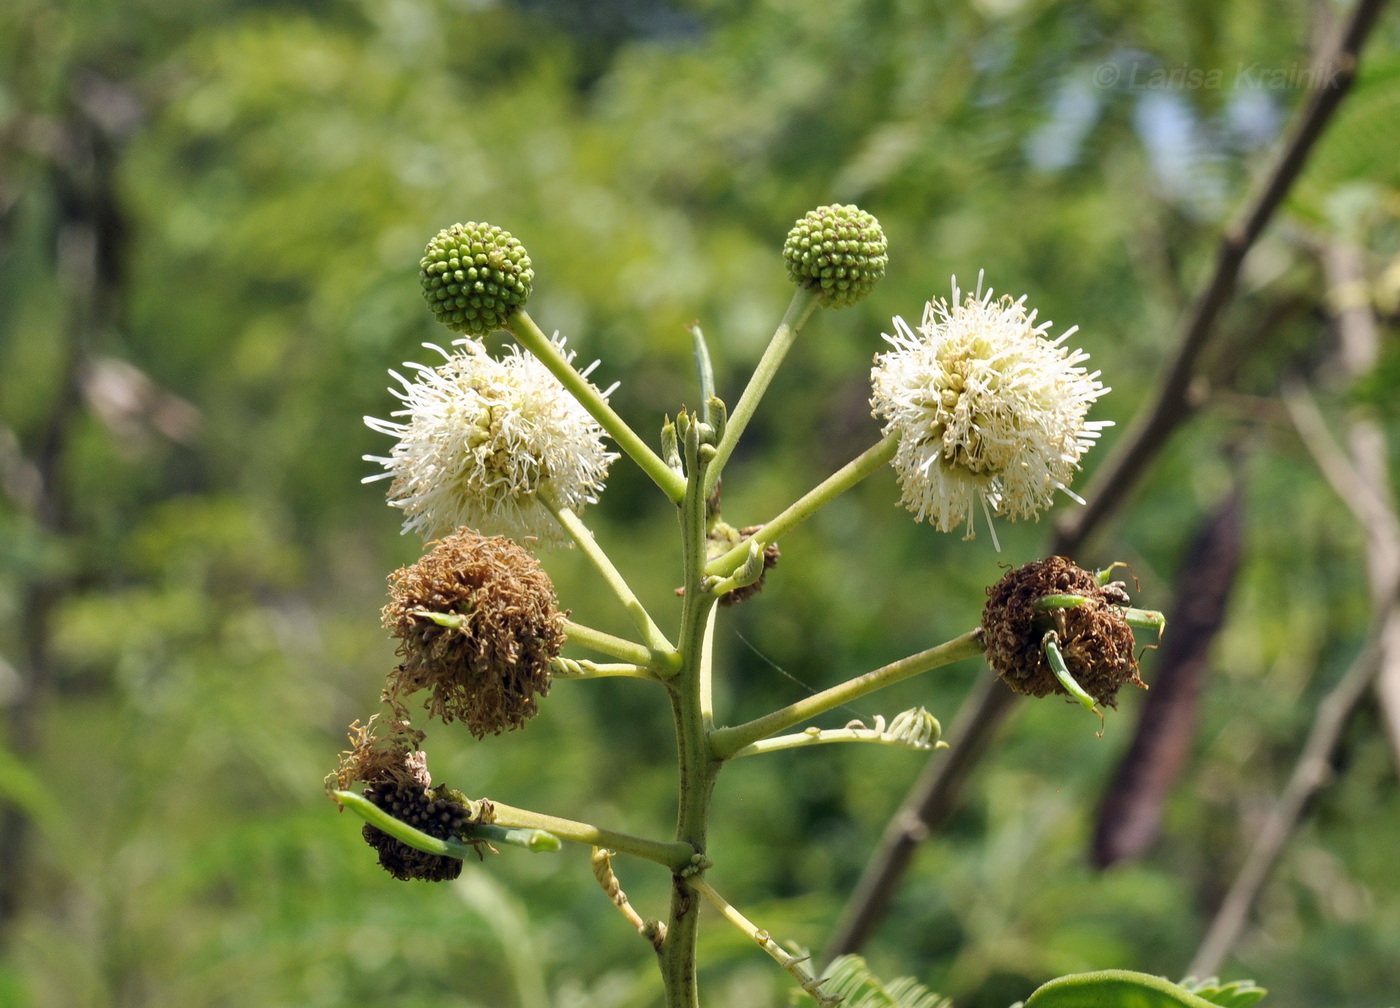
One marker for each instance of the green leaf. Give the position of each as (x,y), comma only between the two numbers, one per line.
(1235,994)
(1126,989)
(850,978)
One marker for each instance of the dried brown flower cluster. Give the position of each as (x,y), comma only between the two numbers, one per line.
(477,623)
(395,772)
(1095,639)
(382,752)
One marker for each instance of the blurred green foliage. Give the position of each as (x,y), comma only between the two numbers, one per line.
(187,555)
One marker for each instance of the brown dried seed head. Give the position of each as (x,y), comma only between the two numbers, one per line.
(488,667)
(1095,639)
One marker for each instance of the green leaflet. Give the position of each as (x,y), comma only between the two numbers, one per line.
(1235,994)
(1126,989)
(849,977)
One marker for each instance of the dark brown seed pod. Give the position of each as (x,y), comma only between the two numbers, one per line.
(427,811)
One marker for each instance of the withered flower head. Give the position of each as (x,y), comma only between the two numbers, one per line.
(1095,638)
(382,752)
(477,624)
(386,758)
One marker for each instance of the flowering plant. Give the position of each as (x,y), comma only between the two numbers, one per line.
(981,408)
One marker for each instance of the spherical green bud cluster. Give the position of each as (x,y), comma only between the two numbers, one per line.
(474,276)
(840,250)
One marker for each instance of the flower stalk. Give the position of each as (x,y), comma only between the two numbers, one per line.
(572,668)
(804,302)
(794,965)
(677,856)
(533,339)
(606,643)
(661,650)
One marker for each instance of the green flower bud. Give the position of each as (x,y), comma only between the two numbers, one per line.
(474,276)
(840,250)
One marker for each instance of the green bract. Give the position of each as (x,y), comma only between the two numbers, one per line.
(474,275)
(840,250)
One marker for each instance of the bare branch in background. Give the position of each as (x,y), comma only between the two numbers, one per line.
(1130,814)
(1311,772)
(1361,478)
(1359,336)
(934,797)
(90,248)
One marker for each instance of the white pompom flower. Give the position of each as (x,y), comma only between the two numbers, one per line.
(480,438)
(986,409)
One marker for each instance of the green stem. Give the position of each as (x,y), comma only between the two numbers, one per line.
(677,856)
(706,670)
(533,339)
(795,965)
(1139,619)
(1146,619)
(1060,601)
(1051,646)
(727,741)
(661,650)
(825,736)
(808,504)
(606,643)
(574,669)
(532,839)
(804,301)
(697,766)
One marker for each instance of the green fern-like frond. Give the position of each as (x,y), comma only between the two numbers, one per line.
(849,978)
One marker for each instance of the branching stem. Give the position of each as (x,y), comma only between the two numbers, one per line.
(572,668)
(662,652)
(825,736)
(674,855)
(867,462)
(606,643)
(795,965)
(530,838)
(726,742)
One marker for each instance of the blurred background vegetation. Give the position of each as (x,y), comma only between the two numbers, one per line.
(210,220)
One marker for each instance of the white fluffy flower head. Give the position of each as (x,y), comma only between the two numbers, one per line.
(985,408)
(480,437)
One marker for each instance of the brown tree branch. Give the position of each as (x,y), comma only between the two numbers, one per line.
(933,798)
(1361,479)
(1313,768)
(1359,337)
